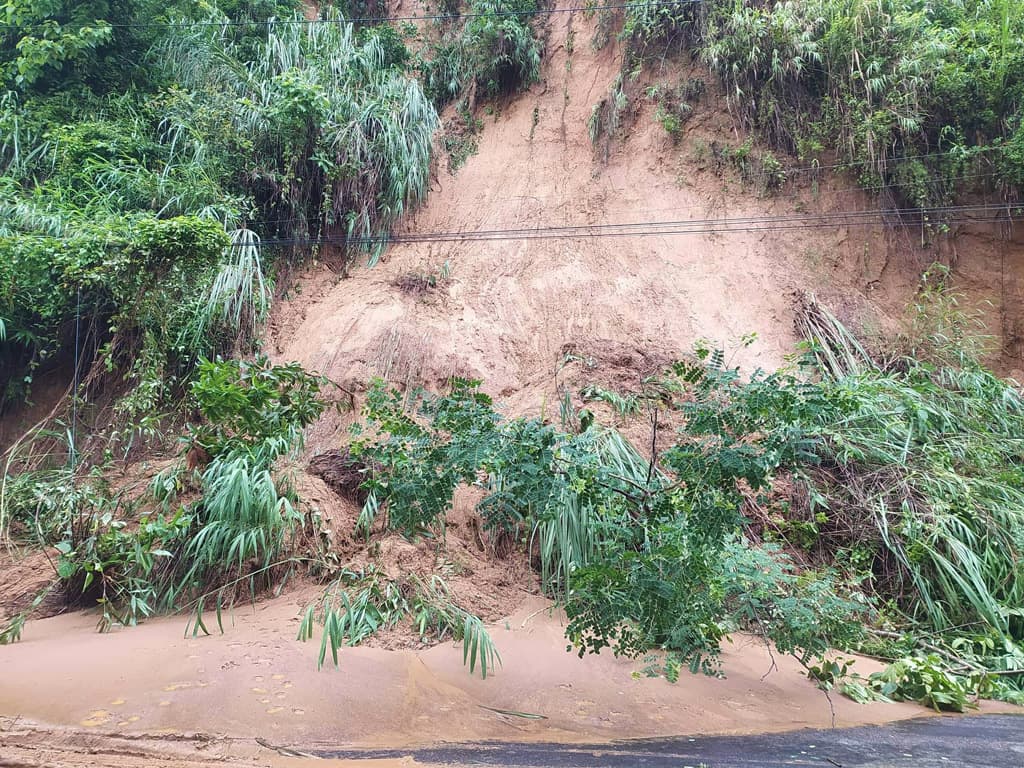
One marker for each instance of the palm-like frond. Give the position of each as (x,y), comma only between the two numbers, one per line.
(345,139)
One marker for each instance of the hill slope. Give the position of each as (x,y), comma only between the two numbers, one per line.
(512,310)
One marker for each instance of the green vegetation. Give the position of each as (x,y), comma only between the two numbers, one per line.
(261,131)
(486,55)
(675,104)
(157,180)
(923,101)
(640,558)
(337,134)
(355,605)
(152,552)
(908,497)
(159,167)
(224,139)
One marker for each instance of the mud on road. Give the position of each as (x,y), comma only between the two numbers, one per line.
(989,741)
(153,695)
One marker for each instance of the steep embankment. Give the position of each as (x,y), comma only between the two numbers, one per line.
(513,310)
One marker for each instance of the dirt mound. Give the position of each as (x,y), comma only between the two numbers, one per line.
(480,573)
(536,319)
(343,473)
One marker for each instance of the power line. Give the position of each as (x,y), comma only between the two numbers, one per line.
(857,188)
(365,19)
(832,189)
(874,217)
(949,214)
(384,240)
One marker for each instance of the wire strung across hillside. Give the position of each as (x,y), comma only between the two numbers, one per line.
(363,19)
(958,214)
(891,217)
(854,188)
(834,189)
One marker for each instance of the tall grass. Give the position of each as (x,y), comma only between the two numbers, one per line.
(872,60)
(340,139)
(488,55)
(357,604)
(877,82)
(37,483)
(933,460)
(925,459)
(21,140)
(434,609)
(350,616)
(238,299)
(243,521)
(835,350)
(567,532)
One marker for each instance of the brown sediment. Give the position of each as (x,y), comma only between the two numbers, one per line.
(257,681)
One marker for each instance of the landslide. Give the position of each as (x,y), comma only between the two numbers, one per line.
(514,312)
(531,318)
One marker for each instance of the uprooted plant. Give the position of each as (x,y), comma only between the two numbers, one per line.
(357,604)
(918,491)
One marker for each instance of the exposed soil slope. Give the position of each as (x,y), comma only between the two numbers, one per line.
(512,309)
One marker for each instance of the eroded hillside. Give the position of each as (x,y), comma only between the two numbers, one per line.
(525,268)
(514,311)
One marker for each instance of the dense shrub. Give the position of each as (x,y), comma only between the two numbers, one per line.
(334,137)
(880,82)
(131,288)
(915,466)
(487,55)
(643,556)
(232,530)
(124,217)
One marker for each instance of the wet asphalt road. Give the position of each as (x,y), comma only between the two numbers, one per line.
(989,741)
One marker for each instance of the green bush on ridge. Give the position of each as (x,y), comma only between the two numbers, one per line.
(489,54)
(923,101)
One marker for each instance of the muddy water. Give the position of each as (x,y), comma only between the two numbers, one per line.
(256,682)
